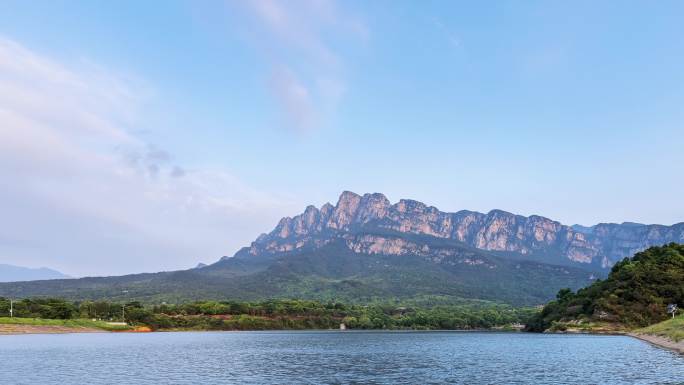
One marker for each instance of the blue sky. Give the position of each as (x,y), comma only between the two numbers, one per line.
(141,136)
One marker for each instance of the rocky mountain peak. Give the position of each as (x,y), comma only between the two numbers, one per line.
(410,206)
(372,206)
(498,230)
(327,209)
(282,230)
(344,211)
(347,198)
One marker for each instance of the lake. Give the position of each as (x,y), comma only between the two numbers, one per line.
(334,357)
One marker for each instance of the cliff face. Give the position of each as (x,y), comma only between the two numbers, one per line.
(373,215)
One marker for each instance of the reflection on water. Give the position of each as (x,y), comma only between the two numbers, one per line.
(334,357)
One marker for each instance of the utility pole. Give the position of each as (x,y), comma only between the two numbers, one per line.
(123,313)
(11,308)
(672,308)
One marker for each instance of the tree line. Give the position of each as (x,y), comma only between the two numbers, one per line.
(635,294)
(273,314)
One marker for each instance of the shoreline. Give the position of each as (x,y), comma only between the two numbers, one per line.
(661,342)
(19,329)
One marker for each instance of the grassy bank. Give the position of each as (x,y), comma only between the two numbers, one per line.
(66,323)
(672,329)
(587,326)
(668,334)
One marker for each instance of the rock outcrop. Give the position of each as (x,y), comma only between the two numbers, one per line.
(374,216)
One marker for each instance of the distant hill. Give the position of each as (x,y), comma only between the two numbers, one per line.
(10,273)
(335,272)
(365,248)
(636,293)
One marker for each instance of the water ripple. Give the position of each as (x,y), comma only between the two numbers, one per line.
(335,358)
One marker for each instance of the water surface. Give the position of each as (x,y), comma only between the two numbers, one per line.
(334,357)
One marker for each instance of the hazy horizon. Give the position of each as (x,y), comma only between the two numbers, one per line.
(140,138)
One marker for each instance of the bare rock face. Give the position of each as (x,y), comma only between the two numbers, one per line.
(365,222)
(618,241)
(395,245)
(371,207)
(344,212)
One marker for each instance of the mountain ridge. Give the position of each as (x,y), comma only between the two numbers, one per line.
(597,247)
(13,273)
(367,249)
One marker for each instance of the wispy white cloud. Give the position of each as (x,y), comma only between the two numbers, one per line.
(86,195)
(295,98)
(302,39)
(450,36)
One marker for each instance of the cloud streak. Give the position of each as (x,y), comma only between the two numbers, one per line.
(451,37)
(303,43)
(295,98)
(87,196)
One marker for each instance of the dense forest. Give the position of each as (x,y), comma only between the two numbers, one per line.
(333,273)
(275,314)
(636,293)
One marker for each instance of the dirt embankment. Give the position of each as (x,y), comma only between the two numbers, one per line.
(661,342)
(56,329)
(44,329)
